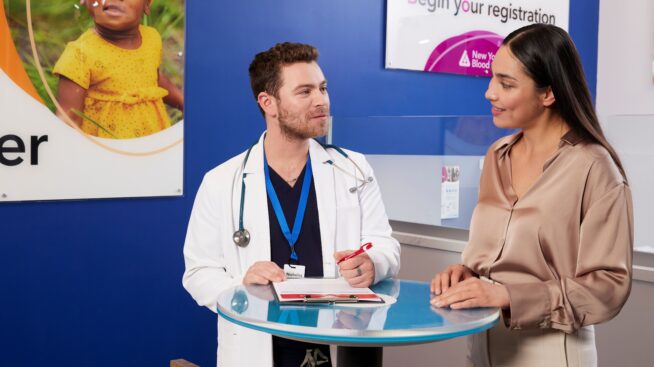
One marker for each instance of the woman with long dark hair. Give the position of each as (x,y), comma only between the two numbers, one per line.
(551,237)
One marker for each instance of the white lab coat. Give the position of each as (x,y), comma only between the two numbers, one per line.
(214,263)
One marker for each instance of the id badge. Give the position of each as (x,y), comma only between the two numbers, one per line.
(294,271)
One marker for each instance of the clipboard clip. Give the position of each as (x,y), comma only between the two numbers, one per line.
(349,299)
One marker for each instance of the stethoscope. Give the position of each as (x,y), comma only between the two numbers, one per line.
(241,236)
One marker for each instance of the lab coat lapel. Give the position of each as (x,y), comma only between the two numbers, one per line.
(255,218)
(323,174)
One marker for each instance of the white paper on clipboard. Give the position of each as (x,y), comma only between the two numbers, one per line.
(331,289)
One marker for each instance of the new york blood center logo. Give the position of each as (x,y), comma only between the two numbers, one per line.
(470,53)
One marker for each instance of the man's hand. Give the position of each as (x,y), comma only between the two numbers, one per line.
(450,277)
(261,292)
(359,271)
(264,272)
(354,319)
(473,292)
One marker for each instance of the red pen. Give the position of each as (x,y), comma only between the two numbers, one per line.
(365,247)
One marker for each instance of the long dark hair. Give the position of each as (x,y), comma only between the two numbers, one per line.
(551,59)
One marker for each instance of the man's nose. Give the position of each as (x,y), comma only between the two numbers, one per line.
(321,98)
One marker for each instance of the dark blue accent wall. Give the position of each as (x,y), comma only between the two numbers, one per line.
(98,283)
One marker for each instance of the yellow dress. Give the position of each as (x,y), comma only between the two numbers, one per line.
(123,97)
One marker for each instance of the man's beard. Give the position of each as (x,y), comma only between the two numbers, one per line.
(296,127)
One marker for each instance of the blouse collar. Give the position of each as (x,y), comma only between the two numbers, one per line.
(571,138)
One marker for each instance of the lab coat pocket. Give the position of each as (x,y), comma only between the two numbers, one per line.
(228,334)
(228,344)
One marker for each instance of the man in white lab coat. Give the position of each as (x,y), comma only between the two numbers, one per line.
(299,203)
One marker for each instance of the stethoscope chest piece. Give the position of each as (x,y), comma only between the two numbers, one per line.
(241,237)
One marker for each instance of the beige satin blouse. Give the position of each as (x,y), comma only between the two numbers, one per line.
(564,249)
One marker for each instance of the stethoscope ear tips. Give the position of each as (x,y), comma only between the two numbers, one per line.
(354,189)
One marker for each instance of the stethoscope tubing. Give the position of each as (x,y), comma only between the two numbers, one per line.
(241,236)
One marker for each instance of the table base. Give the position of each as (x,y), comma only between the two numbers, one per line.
(359,356)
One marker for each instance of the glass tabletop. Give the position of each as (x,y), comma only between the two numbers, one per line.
(410,320)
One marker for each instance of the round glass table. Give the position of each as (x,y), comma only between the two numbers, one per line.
(360,331)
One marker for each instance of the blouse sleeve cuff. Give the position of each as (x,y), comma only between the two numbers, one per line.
(529,306)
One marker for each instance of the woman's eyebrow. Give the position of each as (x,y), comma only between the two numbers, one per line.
(505,76)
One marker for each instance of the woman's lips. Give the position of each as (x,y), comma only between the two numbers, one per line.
(496,111)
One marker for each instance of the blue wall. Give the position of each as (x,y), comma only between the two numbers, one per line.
(98,283)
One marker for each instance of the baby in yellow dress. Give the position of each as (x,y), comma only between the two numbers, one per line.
(109,78)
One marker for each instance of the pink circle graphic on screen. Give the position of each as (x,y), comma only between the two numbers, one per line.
(470,53)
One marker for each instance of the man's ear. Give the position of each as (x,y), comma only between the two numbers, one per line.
(548,97)
(267,104)
(148,3)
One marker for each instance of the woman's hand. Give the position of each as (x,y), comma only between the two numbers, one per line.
(450,277)
(473,292)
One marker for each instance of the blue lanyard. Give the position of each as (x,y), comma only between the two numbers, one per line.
(291,237)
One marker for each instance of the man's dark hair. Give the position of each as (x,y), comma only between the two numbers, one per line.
(265,69)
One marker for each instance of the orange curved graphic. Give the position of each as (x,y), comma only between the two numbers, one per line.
(10,61)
